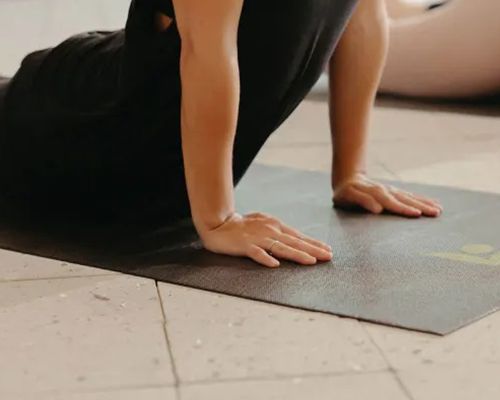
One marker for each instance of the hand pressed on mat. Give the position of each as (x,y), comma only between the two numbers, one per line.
(361,191)
(265,239)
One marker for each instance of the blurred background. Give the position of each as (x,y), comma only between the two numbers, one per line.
(428,56)
(28,25)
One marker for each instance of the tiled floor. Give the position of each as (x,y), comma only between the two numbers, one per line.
(75,333)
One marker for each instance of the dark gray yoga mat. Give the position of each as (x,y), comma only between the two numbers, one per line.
(432,275)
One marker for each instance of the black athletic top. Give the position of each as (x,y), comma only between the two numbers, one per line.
(166,7)
(100,112)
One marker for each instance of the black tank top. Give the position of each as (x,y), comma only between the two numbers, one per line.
(108,103)
(166,7)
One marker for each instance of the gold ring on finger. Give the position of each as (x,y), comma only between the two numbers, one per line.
(274,243)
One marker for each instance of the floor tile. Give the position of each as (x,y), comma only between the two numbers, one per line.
(299,156)
(304,142)
(475,344)
(119,298)
(17,266)
(81,334)
(457,382)
(477,172)
(308,124)
(222,337)
(377,386)
(312,158)
(437,147)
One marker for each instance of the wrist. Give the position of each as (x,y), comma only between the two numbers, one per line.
(207,223)
(340,177)
(347,168)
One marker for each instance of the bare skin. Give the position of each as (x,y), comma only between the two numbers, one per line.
(355,72)
(209,69)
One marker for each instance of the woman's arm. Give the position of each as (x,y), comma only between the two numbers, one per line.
(355,72)
(209,112)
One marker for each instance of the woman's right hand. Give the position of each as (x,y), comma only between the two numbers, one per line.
(265,240)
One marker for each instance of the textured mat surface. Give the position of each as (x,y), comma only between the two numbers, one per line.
(433,275)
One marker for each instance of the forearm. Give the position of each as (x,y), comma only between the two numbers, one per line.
(355,71)
(209,105)
(210,88)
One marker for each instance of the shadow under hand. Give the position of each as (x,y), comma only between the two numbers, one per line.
(119,245)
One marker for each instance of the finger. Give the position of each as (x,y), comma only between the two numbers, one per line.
(262,257)
(430,202)
(298,244)
(426,209)
(285,252)
(392,204)
(365,201)
(299,235)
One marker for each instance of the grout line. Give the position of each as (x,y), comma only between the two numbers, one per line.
(106,389)
(51,278)
(401,384)
(175,373)
(177,386)
(282,377)
(391,368)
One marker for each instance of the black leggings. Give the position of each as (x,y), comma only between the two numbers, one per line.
(95,121)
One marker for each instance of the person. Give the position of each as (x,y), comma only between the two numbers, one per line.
(175,107)
(449,52)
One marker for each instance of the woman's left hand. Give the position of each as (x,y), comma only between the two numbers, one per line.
(360,191)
